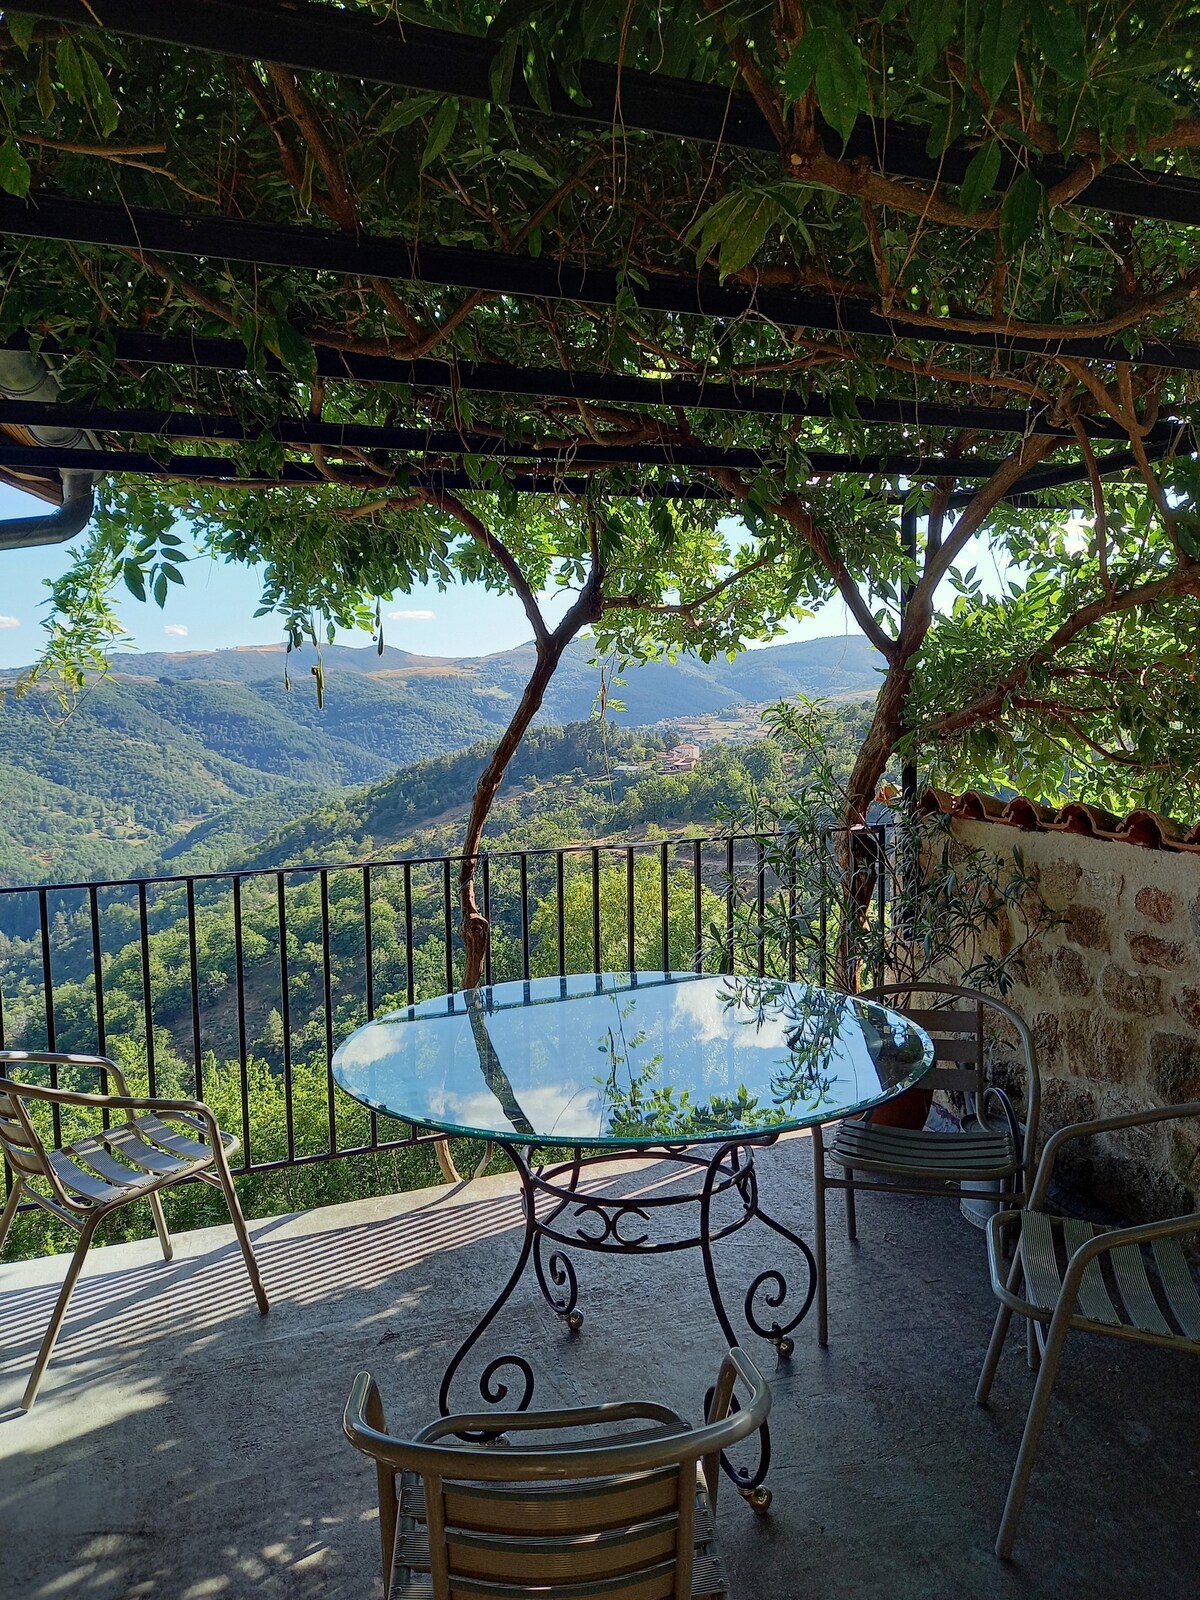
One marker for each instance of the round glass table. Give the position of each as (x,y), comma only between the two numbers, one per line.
(571,1076)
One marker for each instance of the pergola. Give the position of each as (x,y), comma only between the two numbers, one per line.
(374,48)
(587,254)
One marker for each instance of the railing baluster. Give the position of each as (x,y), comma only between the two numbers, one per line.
(409,983)
(487,913)
(97,995)
(239,967)
(630,928)
(697,908)
(562,912)
(147,998)
(48,991)
(285,1013)
(596,962)
(447,915)
(760,876)
(729,902)
(524,860)
(327,1001)
(664,903)
(193,970)
(368,941)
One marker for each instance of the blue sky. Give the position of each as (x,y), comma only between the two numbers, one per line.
(215,608)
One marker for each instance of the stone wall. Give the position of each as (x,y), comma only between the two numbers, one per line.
(1112,995)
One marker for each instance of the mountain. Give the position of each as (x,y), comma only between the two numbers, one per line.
(184,756)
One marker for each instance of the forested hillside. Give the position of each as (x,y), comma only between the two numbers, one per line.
(180,759)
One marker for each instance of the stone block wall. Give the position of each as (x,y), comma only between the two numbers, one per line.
(1112,995)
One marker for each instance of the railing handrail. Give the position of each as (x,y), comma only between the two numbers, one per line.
(227,873)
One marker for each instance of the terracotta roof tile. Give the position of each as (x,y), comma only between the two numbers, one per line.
(1141,827)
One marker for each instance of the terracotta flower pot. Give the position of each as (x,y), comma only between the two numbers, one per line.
(907,1110)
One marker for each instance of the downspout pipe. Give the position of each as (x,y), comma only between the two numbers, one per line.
(25,376)
(54,527)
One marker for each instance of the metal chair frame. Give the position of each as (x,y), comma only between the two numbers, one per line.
(926,1162)
(1078,1298)
(161,1156)
(627,1517)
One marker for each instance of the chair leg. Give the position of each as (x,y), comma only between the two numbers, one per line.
(160,1222)
(818,1146)
(10,1209)
(992,1360)
(239,1227)
(851,1216)
(60,1310)
(1030,1439)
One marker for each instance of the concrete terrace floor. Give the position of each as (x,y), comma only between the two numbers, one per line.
(183,1447)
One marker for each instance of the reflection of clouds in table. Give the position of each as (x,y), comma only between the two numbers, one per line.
(709,1019)
(545,1106)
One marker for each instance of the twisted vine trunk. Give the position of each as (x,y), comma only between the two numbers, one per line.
(858,863)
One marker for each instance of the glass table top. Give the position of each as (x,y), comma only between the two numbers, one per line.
(620,1059)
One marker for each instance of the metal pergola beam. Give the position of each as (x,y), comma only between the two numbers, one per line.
(307,432)
(744,397)
(315,38)
(495,272)
(566,454)
(549,479)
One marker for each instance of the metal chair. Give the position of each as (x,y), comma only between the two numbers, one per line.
(928,1161)
(87,1180)
(625,1517)
(1078,1275)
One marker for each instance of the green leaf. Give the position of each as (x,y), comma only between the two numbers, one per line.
(999,40)
(135,580)
(980,177)
(932,28)
(801,68)
(441,130)
(841,81)
(46,98)
(1020,212)
(408,111)
(14,170)
(292,348)
(1058,34)
(21,26)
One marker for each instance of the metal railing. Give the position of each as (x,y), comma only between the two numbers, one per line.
(244,982)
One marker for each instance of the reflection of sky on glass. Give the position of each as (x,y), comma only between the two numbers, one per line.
(562,1060)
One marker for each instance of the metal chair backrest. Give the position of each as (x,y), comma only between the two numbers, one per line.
(577,1517)
(630,1535)
(20,1142)
(957,1022)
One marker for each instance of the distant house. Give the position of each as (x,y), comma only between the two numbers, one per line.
(682,758)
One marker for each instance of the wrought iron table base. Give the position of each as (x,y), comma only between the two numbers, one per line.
(572,1219)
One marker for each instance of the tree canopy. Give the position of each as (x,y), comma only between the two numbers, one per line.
(917,235)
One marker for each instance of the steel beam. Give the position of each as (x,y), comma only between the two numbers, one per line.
(135,348)
(317,38)
(495,272)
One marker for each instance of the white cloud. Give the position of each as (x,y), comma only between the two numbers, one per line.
(176,630)
(410,616)
(10,622)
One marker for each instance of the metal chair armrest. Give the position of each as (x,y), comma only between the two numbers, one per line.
(116,1102)
(60,1058)
(1085,1130)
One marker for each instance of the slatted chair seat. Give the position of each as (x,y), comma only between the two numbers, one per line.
(150,1150)
(1153,1299)
(972,1155)
(1131,1283)
(589,1516)
(989,1147)
(148,1147)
